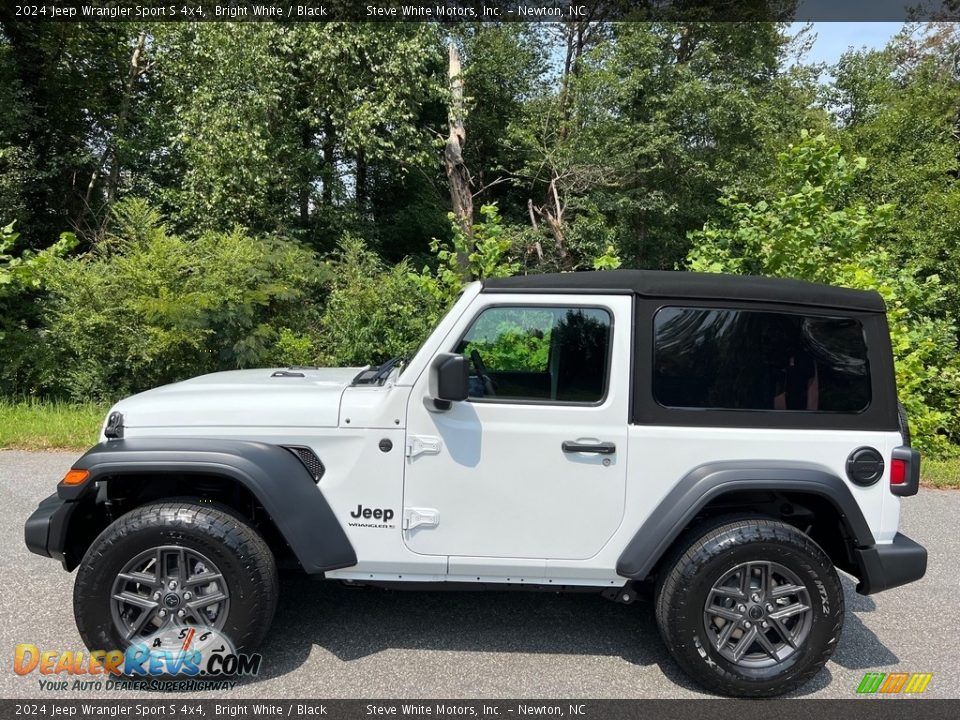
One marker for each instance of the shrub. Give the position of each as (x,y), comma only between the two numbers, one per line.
(488,255)
(146,307)
(373,312)
(22,280)
(809,229)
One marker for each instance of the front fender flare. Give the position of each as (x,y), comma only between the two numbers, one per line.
(707,482)
(272,474)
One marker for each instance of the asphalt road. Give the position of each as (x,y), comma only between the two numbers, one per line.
(331,641)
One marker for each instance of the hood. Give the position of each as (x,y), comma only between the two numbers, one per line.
(307,397)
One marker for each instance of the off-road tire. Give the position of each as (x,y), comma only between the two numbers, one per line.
(700,559)
(240,554)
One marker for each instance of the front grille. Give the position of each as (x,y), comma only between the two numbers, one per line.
(310,461)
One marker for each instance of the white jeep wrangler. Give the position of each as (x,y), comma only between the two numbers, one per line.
(729,441)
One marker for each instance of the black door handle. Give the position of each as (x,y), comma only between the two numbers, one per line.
(603,448)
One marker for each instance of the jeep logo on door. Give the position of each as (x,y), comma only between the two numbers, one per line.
(383,515)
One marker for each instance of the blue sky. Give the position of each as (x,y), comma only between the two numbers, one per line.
(835,38)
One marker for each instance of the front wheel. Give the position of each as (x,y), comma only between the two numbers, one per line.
(750,608)
(168,566)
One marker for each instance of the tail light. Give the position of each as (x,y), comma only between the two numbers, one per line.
(904,471)
(898,471)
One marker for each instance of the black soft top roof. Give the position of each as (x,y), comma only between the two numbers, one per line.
(693,286)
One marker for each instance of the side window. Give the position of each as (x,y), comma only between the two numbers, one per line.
(558,354)
(755,360)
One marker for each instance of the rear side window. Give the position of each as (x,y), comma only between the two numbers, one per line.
(756,360)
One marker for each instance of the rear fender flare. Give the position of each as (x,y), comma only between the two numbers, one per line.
(708,482)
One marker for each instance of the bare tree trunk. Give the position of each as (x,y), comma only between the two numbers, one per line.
(458,175)
(134,71)
(578,35)
(329,161)
(362,192)
(551,212)
(303,195)
(533,221)
(553,217)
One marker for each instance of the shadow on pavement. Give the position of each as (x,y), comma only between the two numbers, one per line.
(860,648)
(353,623)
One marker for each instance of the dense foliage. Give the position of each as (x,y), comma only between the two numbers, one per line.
(193,197)
(374,311)
(146,307)
(23,277)
(807,225)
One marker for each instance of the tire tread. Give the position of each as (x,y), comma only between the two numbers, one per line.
(218,523)
(702,543)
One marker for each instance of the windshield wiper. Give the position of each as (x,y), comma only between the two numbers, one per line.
(378,375)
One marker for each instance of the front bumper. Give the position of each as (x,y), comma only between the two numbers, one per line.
(45,531)
(886,566)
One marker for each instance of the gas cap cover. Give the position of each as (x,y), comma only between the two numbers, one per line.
(865,466)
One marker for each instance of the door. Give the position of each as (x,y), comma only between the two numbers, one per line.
(533,463)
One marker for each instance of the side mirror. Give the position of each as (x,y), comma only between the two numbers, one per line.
(449,380)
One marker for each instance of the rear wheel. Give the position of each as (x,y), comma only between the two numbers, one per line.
(166,566)
(750,608)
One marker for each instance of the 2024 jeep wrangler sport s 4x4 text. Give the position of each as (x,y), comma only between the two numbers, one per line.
(731,440)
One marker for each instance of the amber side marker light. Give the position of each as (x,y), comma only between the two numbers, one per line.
(75,477)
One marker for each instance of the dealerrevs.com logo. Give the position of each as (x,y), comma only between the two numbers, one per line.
(894,683)
(178,658)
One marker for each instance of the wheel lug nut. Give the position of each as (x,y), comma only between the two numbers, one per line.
(741,608)
(162,613)
(747,624)
(187,595)
(172,585)
(769,607)
(755,597)
(181,613)
(764,624)
(156,595)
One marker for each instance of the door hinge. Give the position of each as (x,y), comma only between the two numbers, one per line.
(423,445)
(415,517)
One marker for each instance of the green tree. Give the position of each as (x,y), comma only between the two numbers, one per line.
(806,227)
(898,108)
(23,277)
(373,312)
(292,127)
(26,270)
(146,307)
(506,67)
(649,124)
(487,252)
(70,101)
(702,107)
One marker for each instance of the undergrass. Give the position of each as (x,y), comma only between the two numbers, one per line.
(35,425)
(940,473)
